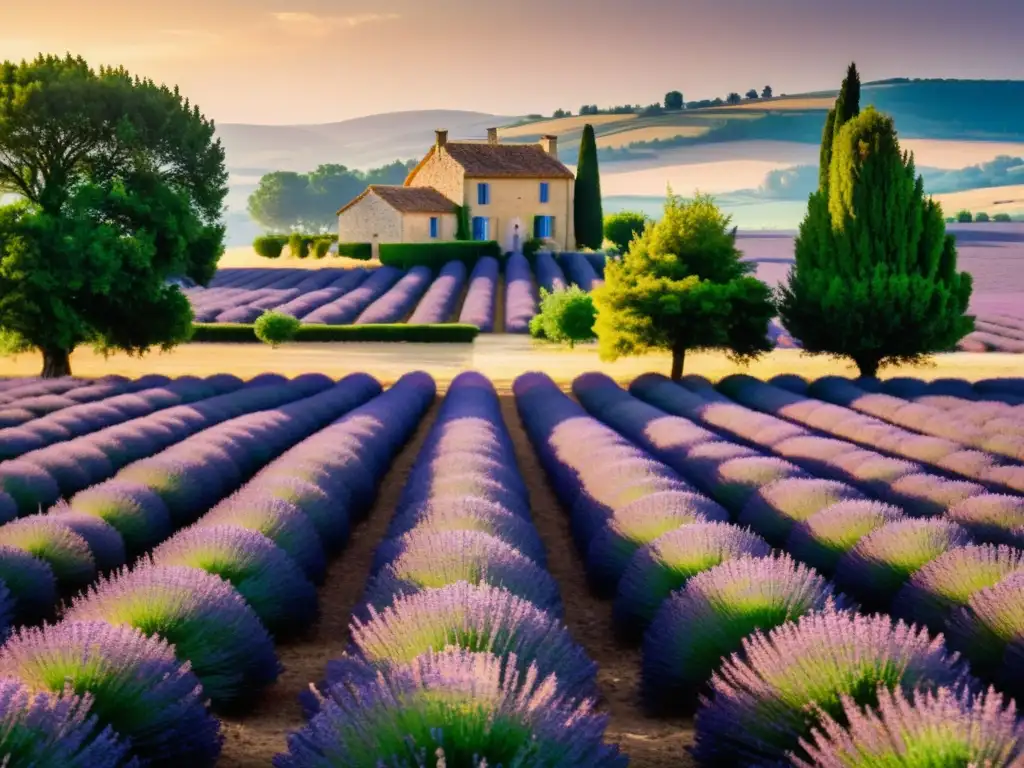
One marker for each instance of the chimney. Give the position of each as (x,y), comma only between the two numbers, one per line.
(442,138)
(492,135)
(550,145)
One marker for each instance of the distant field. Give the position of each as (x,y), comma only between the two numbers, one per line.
(994,200)
(787,102)
(561,125)
(649,133)
(940,153)
(245,256)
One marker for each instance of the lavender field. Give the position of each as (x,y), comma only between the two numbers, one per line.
(993,253)
(308,572)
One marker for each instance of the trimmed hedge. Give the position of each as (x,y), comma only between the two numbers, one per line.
(436,255)
(442,333)
(361,251)
(270,246)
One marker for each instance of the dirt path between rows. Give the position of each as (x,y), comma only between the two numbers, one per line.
(650,743)
(253,740)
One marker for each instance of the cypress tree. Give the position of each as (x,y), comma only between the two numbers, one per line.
(588,217)
(825,155)
(847,107)
(875,277)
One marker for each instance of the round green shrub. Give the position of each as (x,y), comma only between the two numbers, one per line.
(275,328)
(1002,217)
(321,247)
(298,245)
(269,246)
(982,216)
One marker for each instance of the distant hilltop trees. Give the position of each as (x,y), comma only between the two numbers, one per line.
(673,102)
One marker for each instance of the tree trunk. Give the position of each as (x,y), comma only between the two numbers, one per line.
(678,356)
(56,363)
(868,366)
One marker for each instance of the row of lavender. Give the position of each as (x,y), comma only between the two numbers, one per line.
(647,532)
(995,332)
(143,650)
(458,654)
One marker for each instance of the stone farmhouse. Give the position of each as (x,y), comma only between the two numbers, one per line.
(512,192)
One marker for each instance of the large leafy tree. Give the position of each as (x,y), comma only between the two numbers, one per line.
(121,185)
(875,276)
(284,200)
(682,286)
(588,218)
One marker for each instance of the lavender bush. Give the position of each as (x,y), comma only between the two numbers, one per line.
(438,303)
(202,615)
(670,561)
(475,618)
(31,487)
(45,730)
(549,275)
(579,270)
(328,510)
(455,709)
(942,727)
(881,562)
(993,518)
(399,300)
(136,685)
(935,591)
(105,543)
(825,537)
(135,511)
(989,631)
(54,543)
(262,573)
(763,700)
(774,509)
(706,622)
(520,294)
(30,584)
(344,310)
(478,307)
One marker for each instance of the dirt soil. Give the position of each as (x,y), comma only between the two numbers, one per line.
(254,739)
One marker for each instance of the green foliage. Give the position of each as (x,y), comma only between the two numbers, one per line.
(362,251)
(284,200)
(982,217)
(298,245)
(435,255)
(622,227)
(275,328)
(587,202)
(270,246)
(848,102)
(766,92)
(964,217)
(122,186)
(566,316)
(463,232)
(531,246)
(447,333)
(682,286)
(320,247)
(751,94)
(875,275)
(825,152)
(673,100)
(733,98)
(1002,217)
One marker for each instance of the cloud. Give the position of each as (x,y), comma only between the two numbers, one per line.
(312,24)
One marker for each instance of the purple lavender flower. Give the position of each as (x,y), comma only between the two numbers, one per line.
(707,621)
(763,699)
(926,495)
(549,275)
(465,484)
(475,618)
(989,631)
(670,561)
(579,271)
(942,727)
(283,523)
(640,523)
(56,544)
(31,487)
(438,303)
(327,509)
(30,583)
(135,511)
(105,543)
(399,300)
(884,560)
(520,295)
(478,306)
(44,730)
(269,580)
(8,508)
(187,487)
(774,509)
(993,518)
(136,685)
(206,620)
(439,559)
(74,466)
(935,591)
(457,708)
(823,539)
(463,514)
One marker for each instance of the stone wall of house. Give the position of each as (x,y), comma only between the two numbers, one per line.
(443,174)
(416,227)
(517,201)
(368,220)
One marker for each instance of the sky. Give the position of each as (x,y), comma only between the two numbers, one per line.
(318,61)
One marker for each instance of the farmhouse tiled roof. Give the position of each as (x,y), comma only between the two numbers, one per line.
(522,161)
(407,199)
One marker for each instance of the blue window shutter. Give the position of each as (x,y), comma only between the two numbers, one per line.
(433,226)
(480,227)
(483,193)
(543,191)
(537,225)
(476,227)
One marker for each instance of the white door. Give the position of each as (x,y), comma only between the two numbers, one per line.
(514,236)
